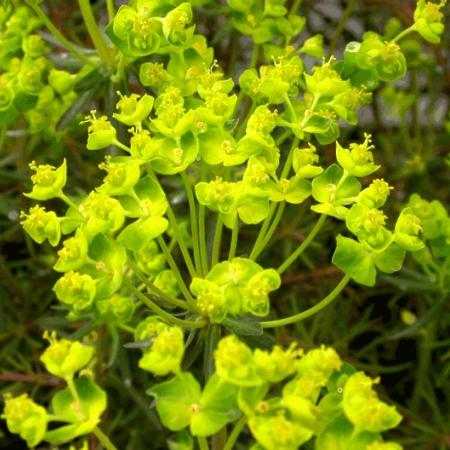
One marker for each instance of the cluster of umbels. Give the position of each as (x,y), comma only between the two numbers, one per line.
(320,396)
(75,410)
(115,258)
(30,84)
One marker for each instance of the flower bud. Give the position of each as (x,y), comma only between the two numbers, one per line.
(363,407)
(256,293)
(166,347)
(41,225)
(175,22)
(48,181)
(63,358)
(167,282)
(7,93)
(31,74)
(325,81)
(262,121)
(73,254)
(276,365)
(152,75)
(304,162)
(117,308)
(428,20)
(358,160)
(407,229)
(123,173)
(61,81)
(133,108)
(34,46)
(313,46)
(211,301)
(25,418)
(235,364)
(102,213)
(76,289)
(141,145)
(376,194)
(101,133)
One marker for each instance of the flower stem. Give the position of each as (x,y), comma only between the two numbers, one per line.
(255,250)
(217,241)
(404,33)
(104,440)
(194,222)
(178,237)
(180,241)
(201,228)
(94,32)
(161,312)
(176,271)
(126,328)
(311,311)
(262,245)
(235,432)
(234,240)
(341,25)
(111,9)
(203,443)
(303,246)
(67,200)
(202,238)
(152,288)
(73,389)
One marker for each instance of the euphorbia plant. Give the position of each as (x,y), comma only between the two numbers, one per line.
(241,153)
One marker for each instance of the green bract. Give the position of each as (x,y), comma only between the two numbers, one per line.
(81,419)
(360,262)
(333,189)
(180,402)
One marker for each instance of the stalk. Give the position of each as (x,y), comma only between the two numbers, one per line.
(95,34)
(104,440)
(304,245)
(152,288)
(310,311)
(217,241)
(234,240)
(202,443)
(161,312)
(194,222)
(235,432)
(176,271)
